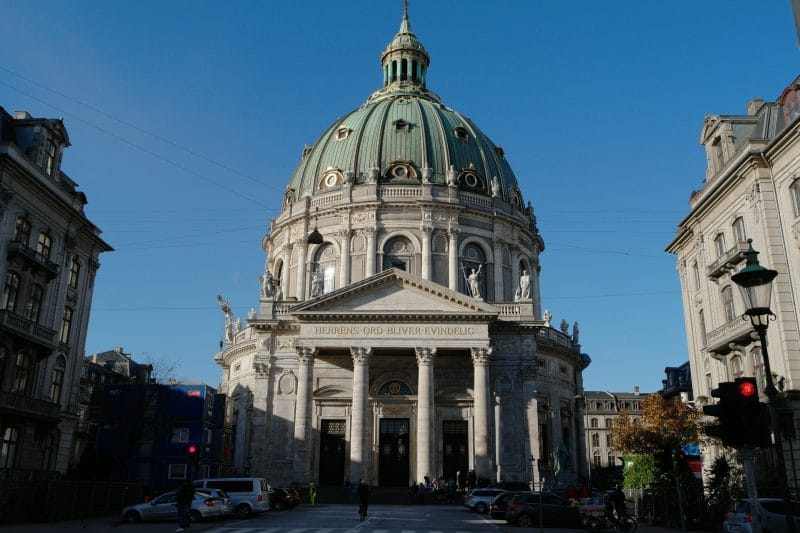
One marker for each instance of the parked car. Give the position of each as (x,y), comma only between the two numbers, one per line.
(525,509)
(165,508)
(280,499)
(478,500)
(773,519)
(500,503)
(295,494)
(249,495)
(516,486)
(222,496)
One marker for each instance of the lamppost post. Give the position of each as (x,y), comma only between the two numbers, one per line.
(755,283)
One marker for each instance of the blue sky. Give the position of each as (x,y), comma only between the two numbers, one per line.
(187,119)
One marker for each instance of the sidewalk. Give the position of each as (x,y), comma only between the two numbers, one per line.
(103,524)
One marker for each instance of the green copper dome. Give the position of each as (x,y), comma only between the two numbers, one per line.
(404,134)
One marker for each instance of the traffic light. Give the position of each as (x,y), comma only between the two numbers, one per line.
(754,419)
(743,420)
(192,451)
(724,411)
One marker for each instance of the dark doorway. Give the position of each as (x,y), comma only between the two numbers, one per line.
(393,465)
(331,453)
(454,449)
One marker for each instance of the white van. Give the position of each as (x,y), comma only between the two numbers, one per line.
(249,495)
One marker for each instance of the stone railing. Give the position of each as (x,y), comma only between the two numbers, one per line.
(556,337)
(476,200)
(508,311)
(27,328)
(400,192)
(718,339)
(727,262)
(326,199)
(34,257)
(28,407)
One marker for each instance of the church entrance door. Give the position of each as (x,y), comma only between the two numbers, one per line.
(454,437)
(331,453)
(393,465)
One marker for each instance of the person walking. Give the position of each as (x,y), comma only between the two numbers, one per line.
(184,499)
(363,499)
(312,494)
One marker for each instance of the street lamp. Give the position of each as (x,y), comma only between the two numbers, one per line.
(755,283)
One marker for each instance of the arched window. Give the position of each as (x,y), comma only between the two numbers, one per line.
(394,70)
(414,76)
(23,378)
(727,303)
(593,423)
(474,259)
(596,460)
(794,190)
(611,459)
(608,439)
(74,272)
(8,301)
(58,379)
(398,252)
(738,230)
(719,243)
(758,367)
(404,70)
(43,245)
(48,452)
(696,275)
(394,387)
(595,439)
(8,447)
(609,422)
(702,325)
(22,230)
(736,366)
(33,306)
(323,277)
(66,322)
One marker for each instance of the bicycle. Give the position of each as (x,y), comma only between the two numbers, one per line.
(627,524)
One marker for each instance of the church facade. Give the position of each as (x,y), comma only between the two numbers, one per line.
(400,331)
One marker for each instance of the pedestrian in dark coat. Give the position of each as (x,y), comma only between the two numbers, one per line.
(363,499)
(183,501)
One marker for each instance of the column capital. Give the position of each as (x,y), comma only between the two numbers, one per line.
(262,368)
(425,355)
(481,355)
(305,354)
(369,231)
(301,243)
(360,354)
(344,233)
(453,232)
(426,230)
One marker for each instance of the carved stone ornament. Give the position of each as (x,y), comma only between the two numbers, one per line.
(425,356)
(287,343)
(287,383)
(752,198)
(305,354)
(262,367)
(360,354)
(481,356)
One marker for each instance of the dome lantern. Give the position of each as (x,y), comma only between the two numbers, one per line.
(405,60)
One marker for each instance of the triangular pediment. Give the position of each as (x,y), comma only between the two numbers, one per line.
(393,292)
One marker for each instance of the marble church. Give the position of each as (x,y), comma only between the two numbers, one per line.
(400,331)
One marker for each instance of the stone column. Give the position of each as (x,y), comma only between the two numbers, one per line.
(302,414)
(300,290)
(261,393)
(499,294)
(452,259)
(498,435)
(515,264)
(370,233)
(426,252)
(287,258)
(425,411)
(358,416)
(480,362)
(344,263)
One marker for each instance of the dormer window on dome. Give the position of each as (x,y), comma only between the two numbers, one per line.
(401,126)
(342,133)
(472,180)
(331,178)
(461,133)
(401,171)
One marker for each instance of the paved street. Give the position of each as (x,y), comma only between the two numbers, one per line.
(320,519)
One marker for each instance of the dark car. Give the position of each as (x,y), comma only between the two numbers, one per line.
(500,503)
(525,509)
(516,486)
(478,500)
(295,496)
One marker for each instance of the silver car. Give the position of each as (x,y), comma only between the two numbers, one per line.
(165,508)
(739,518)
(479,500)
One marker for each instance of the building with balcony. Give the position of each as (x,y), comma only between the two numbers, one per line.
(751,190)
(50,255)
(400,332)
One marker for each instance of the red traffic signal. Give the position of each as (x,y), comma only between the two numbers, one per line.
(747,389)
(192,450)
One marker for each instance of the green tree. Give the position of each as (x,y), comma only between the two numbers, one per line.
(725,483)
(642,473)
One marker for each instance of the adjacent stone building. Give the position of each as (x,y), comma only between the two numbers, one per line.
(751,190)
(400,332)
(50,253)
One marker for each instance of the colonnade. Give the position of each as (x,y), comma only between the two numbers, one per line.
(359,449)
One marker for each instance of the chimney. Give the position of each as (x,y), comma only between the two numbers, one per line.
(754,105)
(636,390)
(22,115)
